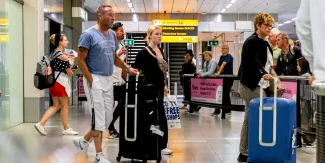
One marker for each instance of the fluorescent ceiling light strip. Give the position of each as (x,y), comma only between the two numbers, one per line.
(130,5)
(287,22)
(132,10)
(229,5)
(223,10)
(128,1)
(293,19)
(233,1)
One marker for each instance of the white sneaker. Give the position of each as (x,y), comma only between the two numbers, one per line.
(166,151)
(40,129)
(101,158)
(69,131)
(82,146)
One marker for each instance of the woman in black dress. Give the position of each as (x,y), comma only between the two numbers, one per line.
(150,62)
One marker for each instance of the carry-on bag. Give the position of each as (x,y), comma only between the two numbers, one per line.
(139,132)
(172,112)
(272,129)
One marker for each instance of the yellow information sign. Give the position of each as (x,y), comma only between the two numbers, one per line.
(182,39)
(4,35)
(175,22)
(4,38)
(185,31)
(4,21)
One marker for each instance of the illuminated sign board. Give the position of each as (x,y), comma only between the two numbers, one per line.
(4,35)
(178,30)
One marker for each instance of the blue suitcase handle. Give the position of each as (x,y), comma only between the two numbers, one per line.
(261,109)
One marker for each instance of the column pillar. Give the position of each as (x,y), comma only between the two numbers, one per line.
(75,22)
(70,19)
(33,18)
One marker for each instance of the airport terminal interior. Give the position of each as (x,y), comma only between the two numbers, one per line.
(203,45)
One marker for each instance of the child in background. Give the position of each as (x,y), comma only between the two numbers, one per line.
(307,105)
(303,67)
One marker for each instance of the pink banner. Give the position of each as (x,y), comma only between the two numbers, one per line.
(206,90)
(81,90)
(290,90)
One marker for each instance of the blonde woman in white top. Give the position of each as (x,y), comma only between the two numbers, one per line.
(61,91)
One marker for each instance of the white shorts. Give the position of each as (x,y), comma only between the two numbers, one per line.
(100,101)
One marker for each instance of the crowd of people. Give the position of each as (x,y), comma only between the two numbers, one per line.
(101,59)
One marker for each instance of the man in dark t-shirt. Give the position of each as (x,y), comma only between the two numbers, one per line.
(287,61)
(225,67)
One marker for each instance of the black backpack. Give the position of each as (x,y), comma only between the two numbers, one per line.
(44,76)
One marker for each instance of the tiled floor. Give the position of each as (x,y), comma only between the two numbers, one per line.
(202,139)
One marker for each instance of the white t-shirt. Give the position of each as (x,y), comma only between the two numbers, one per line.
(265,83)
(116,77)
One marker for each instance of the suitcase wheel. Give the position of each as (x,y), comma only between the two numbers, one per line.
(118,158)
(159,159)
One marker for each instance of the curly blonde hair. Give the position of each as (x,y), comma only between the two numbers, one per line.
(263,18)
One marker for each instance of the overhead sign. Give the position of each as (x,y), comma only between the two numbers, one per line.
(176,22)
(178,30)
(128,42)
(213,43)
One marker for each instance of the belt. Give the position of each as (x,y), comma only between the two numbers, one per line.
(117,83)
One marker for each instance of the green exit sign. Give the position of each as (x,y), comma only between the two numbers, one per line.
(213,43)
(128,42)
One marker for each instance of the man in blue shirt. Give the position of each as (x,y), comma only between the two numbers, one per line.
(96,59)
(225,68)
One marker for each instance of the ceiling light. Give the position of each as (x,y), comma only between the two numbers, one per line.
(287,22)
(130,5)
(128,1)
(132,10)
(203,13)
(223,10)
(228,5)
(219,18)
(293,19)
(135,17)
(233,1)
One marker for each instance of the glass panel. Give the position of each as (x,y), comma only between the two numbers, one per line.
(14,63)
(11,64)
(4,106)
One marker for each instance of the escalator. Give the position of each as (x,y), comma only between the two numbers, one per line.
(176,60)
(139,43)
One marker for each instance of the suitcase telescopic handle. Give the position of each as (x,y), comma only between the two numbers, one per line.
(135,106)
(261,109)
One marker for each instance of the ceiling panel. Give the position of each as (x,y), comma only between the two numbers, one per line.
(141,10)
(233,9)
(276,7)
(194,6)
(248,7)
(206,8)
(263,6)
(165,7)
(179,7)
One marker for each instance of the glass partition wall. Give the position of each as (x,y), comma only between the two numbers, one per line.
(11,64)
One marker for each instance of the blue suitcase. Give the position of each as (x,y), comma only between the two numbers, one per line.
(272,130)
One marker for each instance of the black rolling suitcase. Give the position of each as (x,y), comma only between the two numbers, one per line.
(138,140)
